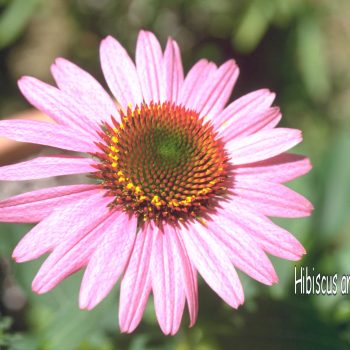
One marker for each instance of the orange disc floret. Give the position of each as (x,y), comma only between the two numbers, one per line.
(162,162)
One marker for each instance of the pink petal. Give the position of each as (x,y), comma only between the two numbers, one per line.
(272,238)
(282,168)
(242,250)
(72,253)
(60,106)
(43,133)
(109,260)
(192,292)
(172,71)
(217,90)
(43,167)
(272,199)
(120,73)
(195,81)
(179,71)
(36,205)
(167,283)
(149,59)
(84,88)
(240,109)
(211,261)
(189,273)
(262,145)
(136,284)
(59,224)
(248,125)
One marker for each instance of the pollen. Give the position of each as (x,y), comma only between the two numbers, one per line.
(155,200)
(162,162)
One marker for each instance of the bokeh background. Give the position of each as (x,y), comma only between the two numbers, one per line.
(298,48)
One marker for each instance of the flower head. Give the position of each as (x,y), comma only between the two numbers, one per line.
(181,183)
(162,163)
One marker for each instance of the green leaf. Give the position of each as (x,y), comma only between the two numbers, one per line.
(253,25)
(336,200)
(311,58)
(14,20)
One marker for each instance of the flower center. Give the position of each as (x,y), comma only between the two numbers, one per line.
(162,163)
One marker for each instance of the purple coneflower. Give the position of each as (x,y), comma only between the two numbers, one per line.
(180,183)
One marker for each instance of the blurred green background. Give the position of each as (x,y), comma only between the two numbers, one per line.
(298,48)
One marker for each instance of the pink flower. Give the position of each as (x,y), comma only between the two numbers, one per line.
(182,184)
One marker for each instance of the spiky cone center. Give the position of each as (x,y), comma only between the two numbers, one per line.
(162,163)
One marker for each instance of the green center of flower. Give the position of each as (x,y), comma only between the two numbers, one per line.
(162,163)
(169,150)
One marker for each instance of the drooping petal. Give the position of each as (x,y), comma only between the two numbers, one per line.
(74,251)
(242,250)
(84,88)
(43,167)
(189,273)
(195,82)
(120,73)
(58,105)
(136,284)
(109,260)
(44,133)
(172,71)
(272,238)
(34,206)
(167,283)
(272,199)
(251,124)
(262,145)
(240,109)
(282,168)
(211,261)
(149,59)
(217,90)
(192,293)
(52,231)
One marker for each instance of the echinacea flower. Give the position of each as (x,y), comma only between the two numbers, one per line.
(181,183)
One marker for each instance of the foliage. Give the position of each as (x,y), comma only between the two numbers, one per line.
(298,48)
